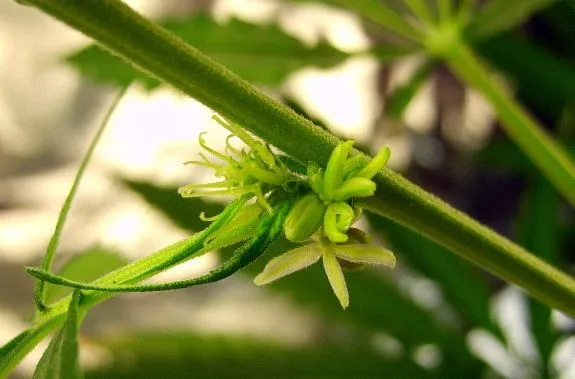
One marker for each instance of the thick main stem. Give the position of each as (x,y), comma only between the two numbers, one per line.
(162,54)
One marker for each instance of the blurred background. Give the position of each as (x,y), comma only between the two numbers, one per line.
(433,316)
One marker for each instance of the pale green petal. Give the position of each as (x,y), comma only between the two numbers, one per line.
(288,263)
(376,164)
(354,187)
(335,276)
(333,176)
(364,253)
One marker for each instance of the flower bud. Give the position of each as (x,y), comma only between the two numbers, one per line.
(304,218)
(337,220)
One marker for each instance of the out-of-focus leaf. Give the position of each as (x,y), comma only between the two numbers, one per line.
(538,231)
(260,54)
(542,81)
(182,212)
(402,96)
(376,303)
(500,15)
(461,284)
(506,156)
(85,267)
(60,360)
(387,53)
(385,14)
(188,355)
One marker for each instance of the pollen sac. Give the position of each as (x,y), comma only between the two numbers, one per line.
(305,218)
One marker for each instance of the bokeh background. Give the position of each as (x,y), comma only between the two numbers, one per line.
(434,316)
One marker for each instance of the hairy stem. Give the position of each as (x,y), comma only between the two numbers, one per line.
(132,273)
(162,54)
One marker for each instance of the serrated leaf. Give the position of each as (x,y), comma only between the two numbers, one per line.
(461,284)
(60,360)
(260,54)
(85,267)
(183,355)
(499,15)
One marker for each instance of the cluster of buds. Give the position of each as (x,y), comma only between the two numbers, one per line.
(325,215)
(322,213)
(328,205)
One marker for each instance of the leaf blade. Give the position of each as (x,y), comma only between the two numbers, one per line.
(85,266)
(60,359)
(264,55)
(500,15)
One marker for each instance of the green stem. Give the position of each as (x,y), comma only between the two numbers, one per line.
(543,151)
(40,293)
(132,273)
(426,214)
(155,50)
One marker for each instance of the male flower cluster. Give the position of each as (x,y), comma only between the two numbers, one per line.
(326,214)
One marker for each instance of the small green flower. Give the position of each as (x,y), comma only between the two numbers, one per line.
(255,171)
(344,178)
(331,254)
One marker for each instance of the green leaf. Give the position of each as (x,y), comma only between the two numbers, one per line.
(260,54)
(60,360)
(85,267)
(182,212)
(399,100)
(505,156)
(185,354)
(538,230)
(500,15)
(17,348)
(382,13)
(460,283)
